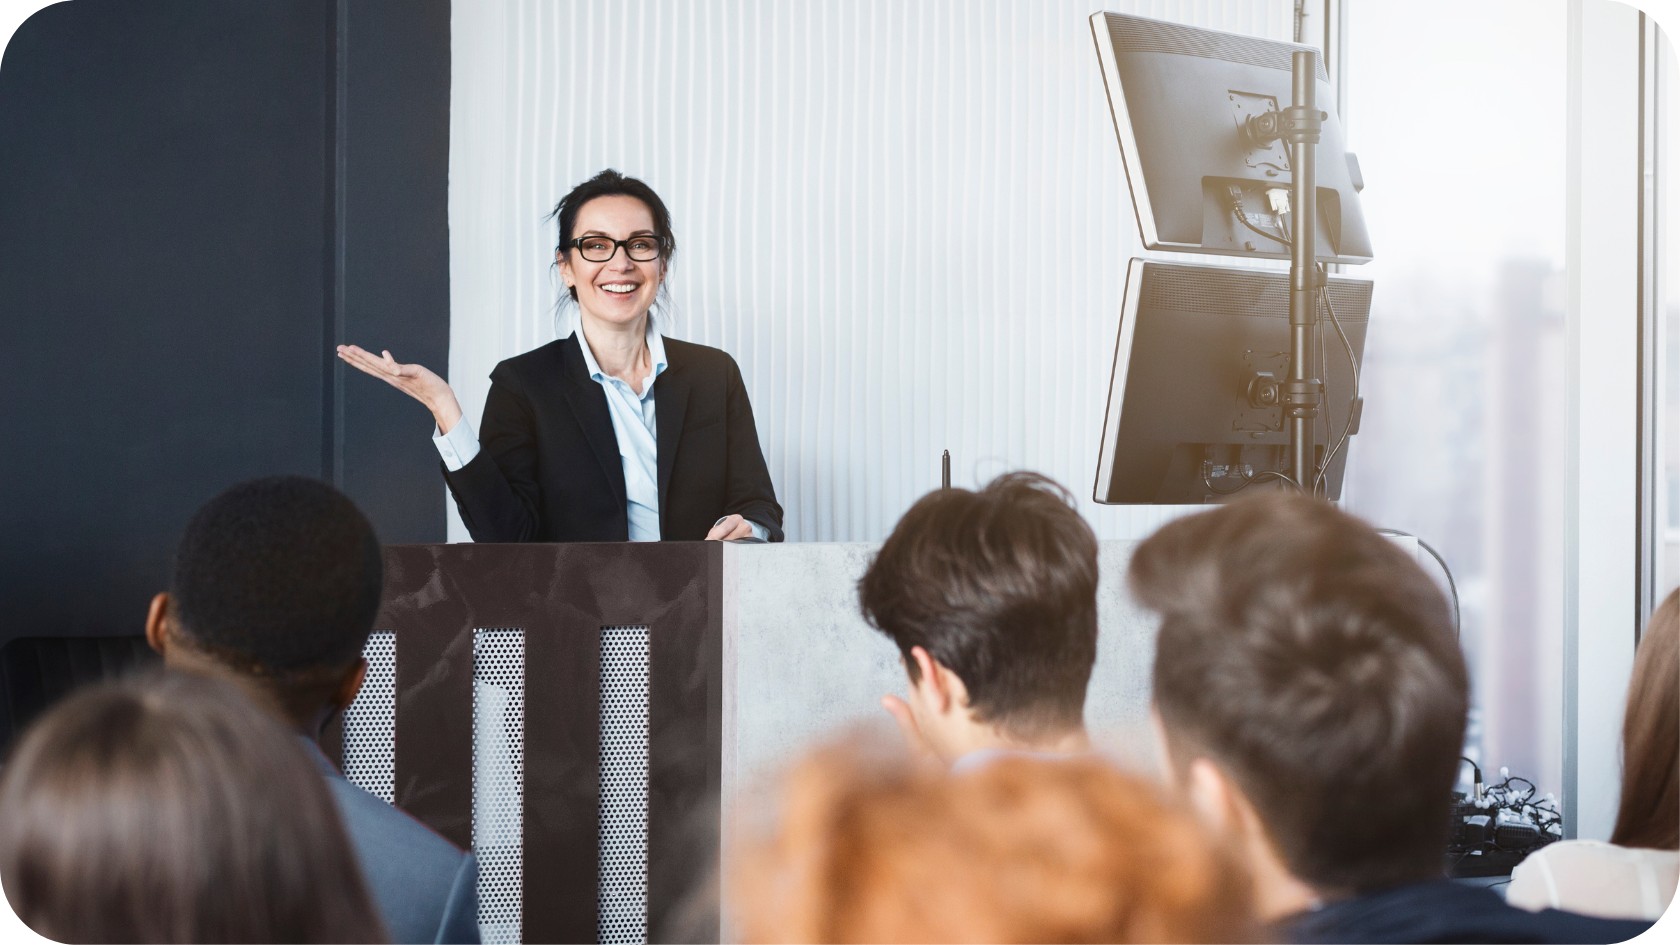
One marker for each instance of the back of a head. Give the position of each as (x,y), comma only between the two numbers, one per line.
(999,586)
(169,808)
(1315,663)
(1649,814)
(278,576)
(865,848)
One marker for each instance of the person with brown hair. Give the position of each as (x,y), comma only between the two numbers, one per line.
(867,848)
(1635,874)
(1312,702)
(170,808)
(991,598)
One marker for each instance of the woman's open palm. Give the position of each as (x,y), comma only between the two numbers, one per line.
(415,380)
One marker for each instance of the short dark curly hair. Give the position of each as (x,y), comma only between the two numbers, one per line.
(278,576)
(999,586)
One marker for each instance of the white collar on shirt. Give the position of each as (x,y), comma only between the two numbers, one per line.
(656,353)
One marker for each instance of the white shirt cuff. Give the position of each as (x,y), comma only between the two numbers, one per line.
(759,531)
(458,446)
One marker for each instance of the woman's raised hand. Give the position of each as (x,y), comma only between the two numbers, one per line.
(412,379)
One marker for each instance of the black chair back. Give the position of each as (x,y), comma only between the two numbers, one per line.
(35,672)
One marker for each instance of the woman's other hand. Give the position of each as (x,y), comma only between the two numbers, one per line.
(412,379)
(730,528)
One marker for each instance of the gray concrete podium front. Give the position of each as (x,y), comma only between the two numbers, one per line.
(800,663)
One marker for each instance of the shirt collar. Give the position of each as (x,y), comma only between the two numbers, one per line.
(656,352)
(322,762)
(981,757)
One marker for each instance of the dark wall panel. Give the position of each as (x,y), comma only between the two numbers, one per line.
(171,182)
(395,214)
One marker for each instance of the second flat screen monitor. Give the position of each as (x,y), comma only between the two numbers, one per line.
(1187,421)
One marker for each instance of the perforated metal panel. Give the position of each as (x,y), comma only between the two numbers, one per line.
(499,780)
(370,721)
(624,784)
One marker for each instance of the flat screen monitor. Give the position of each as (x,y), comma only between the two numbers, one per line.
(1180,98)
(1188,421)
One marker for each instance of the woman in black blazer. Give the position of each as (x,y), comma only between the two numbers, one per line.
(614,432)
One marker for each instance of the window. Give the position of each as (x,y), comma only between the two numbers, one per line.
(1664,516)
(1462,146)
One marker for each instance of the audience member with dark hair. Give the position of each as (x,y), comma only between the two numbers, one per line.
(866,848)
(169,808)
(1635,874)
(991,598)
(1312,700)
(277,584)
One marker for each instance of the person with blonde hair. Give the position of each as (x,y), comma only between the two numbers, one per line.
(865,846)
(1635,874)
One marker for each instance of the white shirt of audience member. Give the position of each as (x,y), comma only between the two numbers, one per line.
(1596,878)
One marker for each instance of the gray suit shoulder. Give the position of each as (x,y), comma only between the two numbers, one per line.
(426,887)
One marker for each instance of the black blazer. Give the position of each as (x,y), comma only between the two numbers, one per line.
(548,466)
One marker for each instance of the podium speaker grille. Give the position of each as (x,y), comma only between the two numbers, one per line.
(624,785)
(498,794)
(370,721)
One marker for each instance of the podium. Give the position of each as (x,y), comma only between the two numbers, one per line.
(574,713)
(557,709)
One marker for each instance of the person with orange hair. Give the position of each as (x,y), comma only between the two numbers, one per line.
(867,847)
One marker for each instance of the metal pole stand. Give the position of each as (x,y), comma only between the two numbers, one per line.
(1302,125)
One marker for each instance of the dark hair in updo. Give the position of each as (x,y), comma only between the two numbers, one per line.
(610,183)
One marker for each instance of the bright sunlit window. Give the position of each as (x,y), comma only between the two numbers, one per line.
(1665,516)
(1463,154)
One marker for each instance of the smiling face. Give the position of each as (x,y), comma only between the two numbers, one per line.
(620,291)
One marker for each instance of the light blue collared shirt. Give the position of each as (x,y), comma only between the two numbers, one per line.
(638,436)
(634,427)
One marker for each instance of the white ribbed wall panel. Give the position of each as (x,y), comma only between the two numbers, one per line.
(907,221)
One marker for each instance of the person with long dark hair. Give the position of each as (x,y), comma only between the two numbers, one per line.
(615,432)
(169,807)
(1635,874)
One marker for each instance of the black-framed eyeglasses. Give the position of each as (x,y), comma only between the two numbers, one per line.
(602,248)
